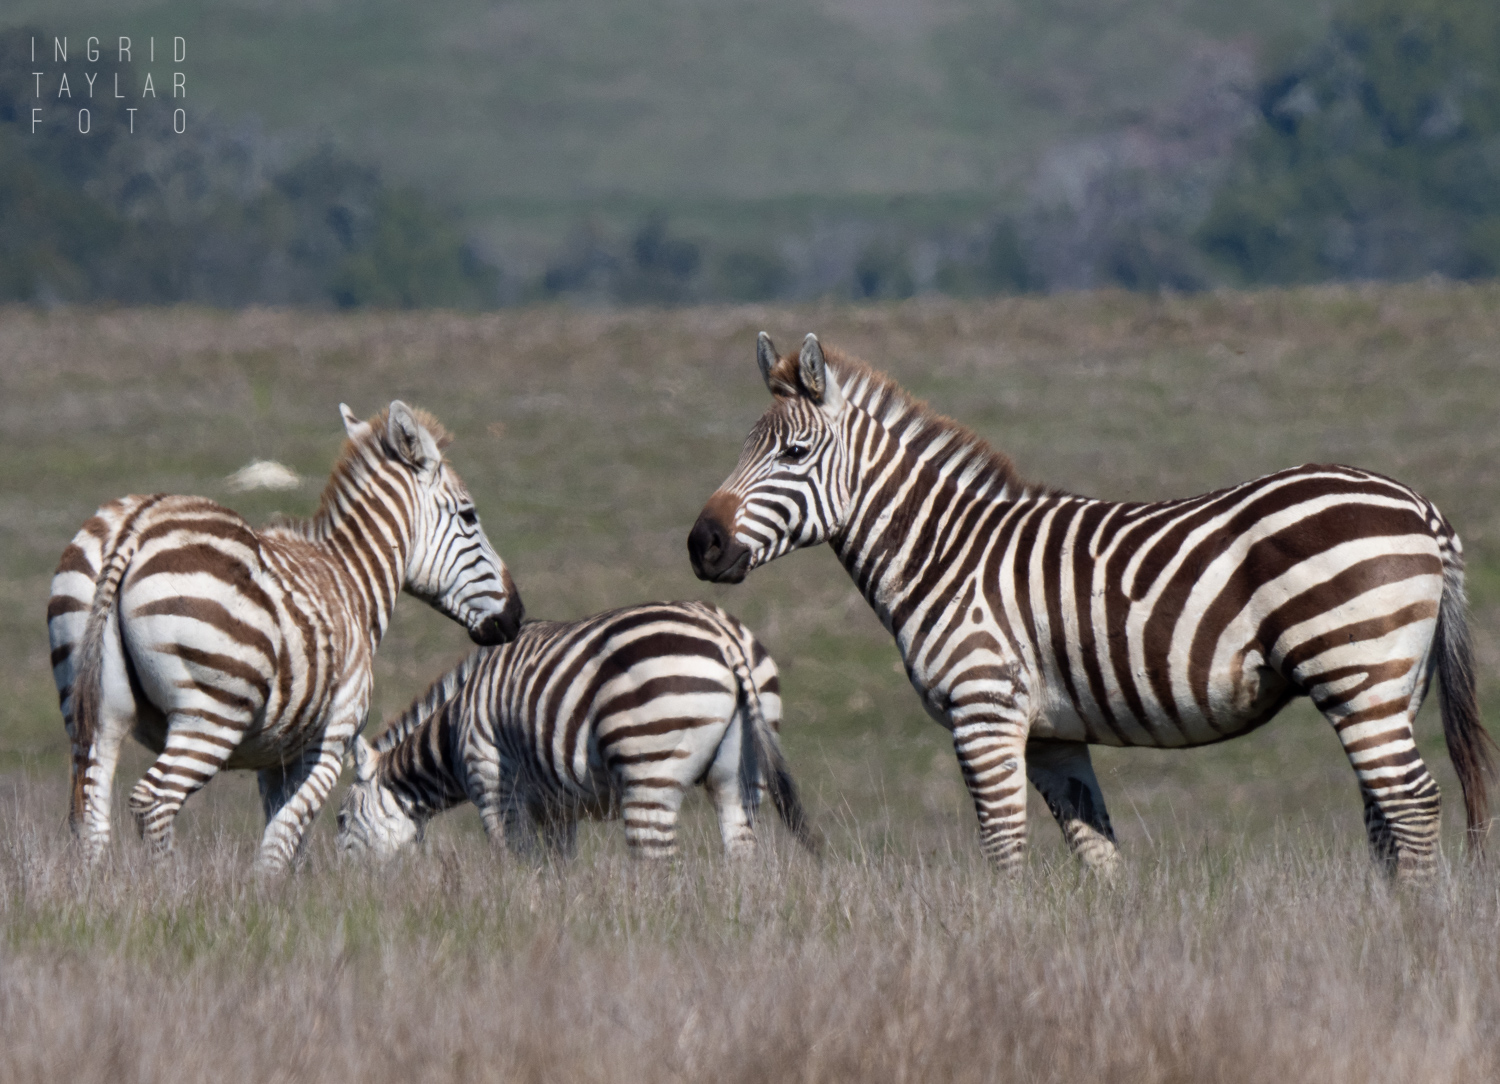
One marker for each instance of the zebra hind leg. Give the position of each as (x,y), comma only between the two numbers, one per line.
(1401,799)
(192,755)
(93,829)
(649,807)
(727,790)
(118,716)
(1063,774)
(558,827)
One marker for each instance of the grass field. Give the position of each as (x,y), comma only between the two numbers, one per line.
(1248,940)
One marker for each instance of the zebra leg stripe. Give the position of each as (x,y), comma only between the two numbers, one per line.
(1402,803)
(287,830)
(98,789)
(649,808)
(723,781)
(194,754)
(993,759)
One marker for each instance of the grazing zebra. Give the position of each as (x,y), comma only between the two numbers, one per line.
(617,714)
(219,646)
(1035,623)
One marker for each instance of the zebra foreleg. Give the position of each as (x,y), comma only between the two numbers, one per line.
(992,756)
(303,790)
(1063,774)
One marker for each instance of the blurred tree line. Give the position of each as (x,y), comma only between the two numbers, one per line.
(1372,154)
(214,215)
(1376,155)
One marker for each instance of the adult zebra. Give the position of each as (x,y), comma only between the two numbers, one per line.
(220,646)
(617,714)
(1035,623)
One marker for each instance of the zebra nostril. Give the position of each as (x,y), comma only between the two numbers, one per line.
(705,544)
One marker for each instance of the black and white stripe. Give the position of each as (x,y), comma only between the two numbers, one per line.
(1035,623)
(615,715)
(222,646)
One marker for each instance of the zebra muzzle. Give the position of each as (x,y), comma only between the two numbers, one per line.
(499,628)
(716,555)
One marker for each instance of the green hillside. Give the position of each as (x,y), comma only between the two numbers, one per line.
(528,116)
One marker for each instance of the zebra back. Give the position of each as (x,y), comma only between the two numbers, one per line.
(429,703)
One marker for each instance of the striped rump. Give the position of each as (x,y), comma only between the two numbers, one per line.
(221,646)
(615,715)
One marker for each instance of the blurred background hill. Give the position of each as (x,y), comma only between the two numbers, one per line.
(671,151)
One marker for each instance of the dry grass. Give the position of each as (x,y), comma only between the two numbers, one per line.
(1288,963)
(1248,940)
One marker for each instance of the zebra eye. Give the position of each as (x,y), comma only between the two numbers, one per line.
(469,516)
(792,453)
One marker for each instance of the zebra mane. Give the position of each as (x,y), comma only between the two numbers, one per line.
(427,705)
(912,421)
(351,452)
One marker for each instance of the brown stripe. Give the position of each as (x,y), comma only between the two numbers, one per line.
(58,605)
(1348,584)
(200,558)
(1273,555)
(654,729)
(213,614)
(75,560)
(1357,631)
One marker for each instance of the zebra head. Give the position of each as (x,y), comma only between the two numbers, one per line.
(789,489)
(372,819)
(451,564)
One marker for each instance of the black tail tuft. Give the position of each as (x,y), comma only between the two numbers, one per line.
(1469,746)
(761,758)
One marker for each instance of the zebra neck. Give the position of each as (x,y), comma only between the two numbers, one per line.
(425,767)
(910,513)
(366,523)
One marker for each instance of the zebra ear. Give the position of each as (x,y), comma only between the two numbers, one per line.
(352,425)
(812,373)
(364,759)
(411,440)
(780,376)
(766,357)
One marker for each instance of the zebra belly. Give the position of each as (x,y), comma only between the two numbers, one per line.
(1241,697)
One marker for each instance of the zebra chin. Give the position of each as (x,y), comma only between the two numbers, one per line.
(717,556)
(500,628)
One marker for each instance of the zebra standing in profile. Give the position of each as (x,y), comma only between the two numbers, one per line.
(1035,623)
(617,714)
(219,646)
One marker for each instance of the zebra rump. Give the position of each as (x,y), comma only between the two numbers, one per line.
(614,715)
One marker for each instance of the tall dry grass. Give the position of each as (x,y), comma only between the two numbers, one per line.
(1292,962)
(1248,940)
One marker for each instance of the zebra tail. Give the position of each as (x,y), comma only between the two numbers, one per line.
(425,706)
(87,700)
(1469,746)
(761,757)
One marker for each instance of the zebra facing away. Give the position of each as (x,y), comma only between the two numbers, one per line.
(1035,623)
(615,715)
(219,646)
